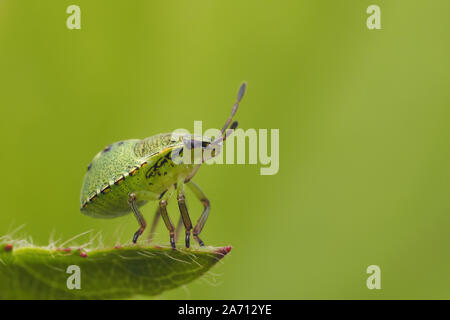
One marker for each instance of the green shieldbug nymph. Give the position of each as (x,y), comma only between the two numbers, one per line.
(127,174)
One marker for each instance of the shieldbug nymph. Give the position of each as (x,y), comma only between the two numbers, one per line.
(127,174)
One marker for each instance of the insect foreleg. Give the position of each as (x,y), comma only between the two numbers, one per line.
(206,207)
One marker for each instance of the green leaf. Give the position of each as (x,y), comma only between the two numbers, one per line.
(29,272)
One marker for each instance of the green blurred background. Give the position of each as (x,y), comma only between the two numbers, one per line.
(363,117)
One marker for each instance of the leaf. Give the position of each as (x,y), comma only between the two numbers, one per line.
(30,272)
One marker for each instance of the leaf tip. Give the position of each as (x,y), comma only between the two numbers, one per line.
(223,251)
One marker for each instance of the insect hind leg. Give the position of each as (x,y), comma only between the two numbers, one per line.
(132,198)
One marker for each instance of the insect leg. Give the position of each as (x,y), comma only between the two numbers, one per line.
(185,217)
(206,205)
(165,217)
(132,202)
(154,224)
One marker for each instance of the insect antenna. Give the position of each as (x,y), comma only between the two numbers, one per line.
(223,137)
(235,106)
(226,132)
(230,130)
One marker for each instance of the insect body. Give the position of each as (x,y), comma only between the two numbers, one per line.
(127,174)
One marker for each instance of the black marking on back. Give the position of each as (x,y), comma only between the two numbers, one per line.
(89,166)
(107,149)
(153,170)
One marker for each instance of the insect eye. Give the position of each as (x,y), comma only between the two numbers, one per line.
(205,144)
(193,144)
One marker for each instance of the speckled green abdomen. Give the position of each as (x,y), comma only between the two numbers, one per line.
(104,193)
(126,167)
